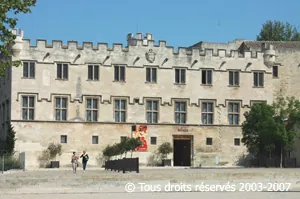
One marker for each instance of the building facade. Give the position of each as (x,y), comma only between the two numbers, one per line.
(86,97)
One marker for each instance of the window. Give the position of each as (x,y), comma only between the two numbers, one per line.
(258,79)
(93,72)
(95,139)
(92,110)
(60,108)
(275,71)
(152,111)
(27,108)
(234,113)
(207,77)
(237,141)
(179,76)
(234,79)
(207,113)
(62,71)
(180,112)
(119,73)
(153,140)
(120,110)
(28,69)
(208,141)
(63,139)
(151,74)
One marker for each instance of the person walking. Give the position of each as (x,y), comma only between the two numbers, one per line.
(85,158)
(74,162)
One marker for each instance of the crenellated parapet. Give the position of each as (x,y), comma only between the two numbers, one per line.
(137,52)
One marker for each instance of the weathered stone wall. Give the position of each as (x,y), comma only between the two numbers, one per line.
(34,137)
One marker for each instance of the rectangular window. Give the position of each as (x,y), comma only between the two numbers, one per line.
(207,77)
(207,112)
(63,139)
(208,141)
(180,112)
(93,72)
(234,79)
(62,71)
(95,139)
(60,108)
(27,108)
(275,71)
(237,141)
(91,110)
(179,76)
(153,140)
(119,73)
(151,75)
(234,113)
(152,111)
(120,110)
(28,69)
(258,79)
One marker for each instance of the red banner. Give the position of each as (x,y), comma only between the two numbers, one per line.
(141,132)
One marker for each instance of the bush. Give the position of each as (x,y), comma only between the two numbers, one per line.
(54,150)
(164,149)
(10,162)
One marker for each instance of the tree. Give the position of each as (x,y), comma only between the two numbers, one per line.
(260,128)
(10,7)
(10,141)
(164,149)
(54,150)
(278,31)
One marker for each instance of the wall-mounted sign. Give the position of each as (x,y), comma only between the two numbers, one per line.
(183,129)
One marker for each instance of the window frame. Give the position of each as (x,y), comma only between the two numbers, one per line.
(29,72)
(153,140)
(209,141)
(28,107)
(149,77)
(62,71)
(232,73)
(97,139)
(117,69)
(120,110)
(205,81)
(152,111)
(233,113)
(92,110)
(239,141)
(180,112)
(259,85)
(60,109)
(65,137)
(94,75)
(276,75)
(207,112)
(179,80)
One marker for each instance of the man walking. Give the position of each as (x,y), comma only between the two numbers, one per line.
(74,162)
(85,158)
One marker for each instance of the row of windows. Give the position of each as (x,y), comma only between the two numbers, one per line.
(120,110)
(151,74)
(153,140)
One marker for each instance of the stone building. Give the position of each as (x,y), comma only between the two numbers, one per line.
(86,97)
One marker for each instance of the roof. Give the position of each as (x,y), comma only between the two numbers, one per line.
(276,44)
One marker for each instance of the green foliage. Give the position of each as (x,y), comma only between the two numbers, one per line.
(54,150)
(278,31)
(164,149)
(9,9)
(9,144)
(269,126)
(127,144)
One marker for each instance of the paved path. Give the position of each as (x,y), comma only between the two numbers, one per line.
(193,195)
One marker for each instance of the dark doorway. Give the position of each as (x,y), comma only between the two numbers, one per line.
(182,152)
